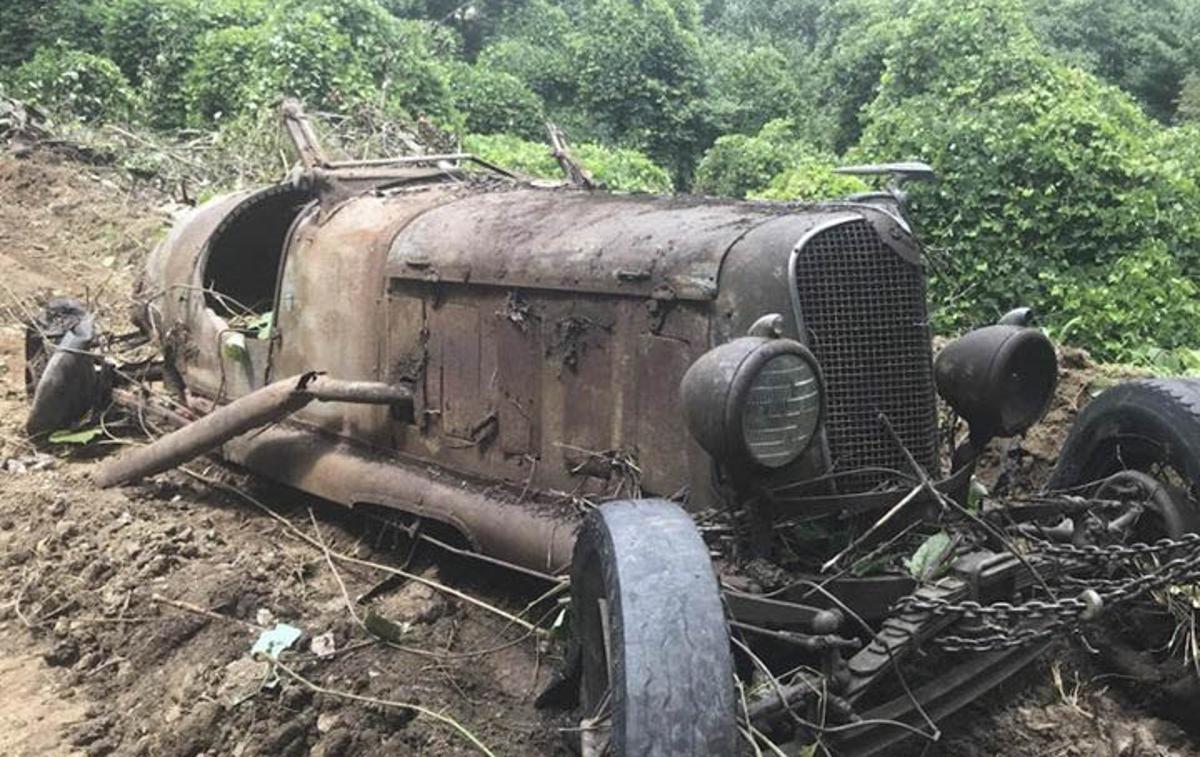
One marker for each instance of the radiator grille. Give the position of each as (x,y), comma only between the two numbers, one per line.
(864,311)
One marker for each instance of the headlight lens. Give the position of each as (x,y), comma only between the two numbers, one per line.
(782,410)
(754,401)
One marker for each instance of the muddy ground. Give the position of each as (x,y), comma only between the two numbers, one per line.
(127,616)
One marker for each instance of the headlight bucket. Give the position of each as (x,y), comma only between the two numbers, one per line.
(755,400)
(1001,378)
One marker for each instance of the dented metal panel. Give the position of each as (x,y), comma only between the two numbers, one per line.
(576,241)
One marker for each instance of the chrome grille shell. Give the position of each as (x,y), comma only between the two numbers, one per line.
(862,312)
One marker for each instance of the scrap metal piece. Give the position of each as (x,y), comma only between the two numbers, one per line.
(264,406)
(69,384)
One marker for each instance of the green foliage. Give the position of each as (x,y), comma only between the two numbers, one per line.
(931,557)
(1061,186)
(616,168)
(398,56)
(83,436)
(810,180)
(623,170)
(74,83)
(1116,309)
(493,102)
(1146,48)
(152,41)
(1047,175)
(640,77)
(27,25)
(520,155)
(749,85)
(773,164)
(1189,99)
(215,85)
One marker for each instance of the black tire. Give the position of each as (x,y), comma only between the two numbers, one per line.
(1138,425)
(1151,427)
(671,672)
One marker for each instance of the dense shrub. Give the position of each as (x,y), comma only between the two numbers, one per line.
(493,102)
(748,86)
(810,179)
(27,25)
(1114,308)
(1049,178)
(618,169)
(1189,99)
(153,41)
(639,75)
(738,165)
(398,55)
(216,84)
(74,83)
(305,55)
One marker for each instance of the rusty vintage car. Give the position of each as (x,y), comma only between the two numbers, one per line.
(713,416)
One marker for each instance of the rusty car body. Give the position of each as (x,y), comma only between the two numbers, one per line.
(505,359)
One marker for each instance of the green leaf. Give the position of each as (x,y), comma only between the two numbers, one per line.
(83,436)
(930,557)
(233,346)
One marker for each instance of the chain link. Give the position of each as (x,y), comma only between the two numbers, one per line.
(1004,625)
(1118,551)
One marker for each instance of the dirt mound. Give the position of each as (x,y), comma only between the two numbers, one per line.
(67,229)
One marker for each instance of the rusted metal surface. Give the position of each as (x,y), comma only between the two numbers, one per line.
(576,241)
(521,532)
(269,404)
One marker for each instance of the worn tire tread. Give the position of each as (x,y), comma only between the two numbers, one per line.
(672,669)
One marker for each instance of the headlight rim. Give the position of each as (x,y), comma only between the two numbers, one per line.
(715,389)
(758,359)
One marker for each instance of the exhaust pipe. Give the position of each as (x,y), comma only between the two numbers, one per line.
(262,407)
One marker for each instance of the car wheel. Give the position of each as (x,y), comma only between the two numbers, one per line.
(1151,426)
(1139,443)
(657,673)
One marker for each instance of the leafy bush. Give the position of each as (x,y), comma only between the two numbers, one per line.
(153,41)
(533,45)
(215,85)
(1047,175)
(399,55)
(1189,99)
(639,75)
(619,169)
(749,86)
(1115,310)
(27,25)
(774,164)
(623,169)
(811,180)
(1145,48)
(74,83)
(493,102)
(306,56)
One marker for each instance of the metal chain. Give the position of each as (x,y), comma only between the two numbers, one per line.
(1117,551)
(1043,619)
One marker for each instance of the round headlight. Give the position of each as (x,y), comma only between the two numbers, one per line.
(1001,378)
(782,409)
(754,400)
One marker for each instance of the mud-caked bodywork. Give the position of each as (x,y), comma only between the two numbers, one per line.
(716,418)
(544,334)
